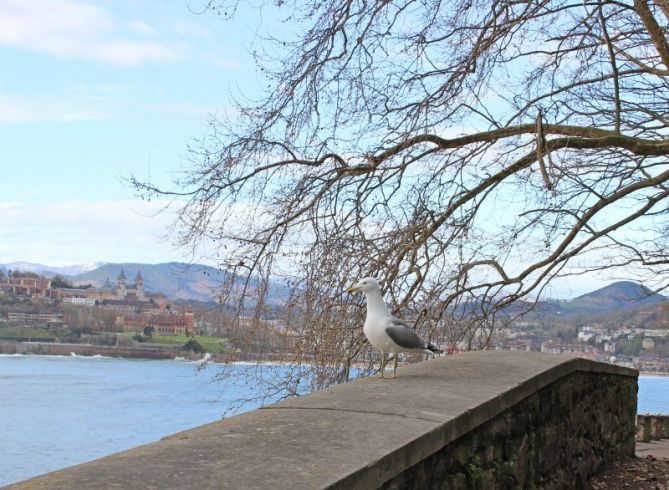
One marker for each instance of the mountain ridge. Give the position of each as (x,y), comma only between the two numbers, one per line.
(176,280)
(198,282)
(51,270)
(620,295)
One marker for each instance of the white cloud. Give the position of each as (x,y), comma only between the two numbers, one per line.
(142,28)
(200,111)
(70,29)
(223,61)
(123,52)
(42,108)
(72,232)
(96,103)
(190,28)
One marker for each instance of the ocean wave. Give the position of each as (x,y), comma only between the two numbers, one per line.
(30,354)
(57,356)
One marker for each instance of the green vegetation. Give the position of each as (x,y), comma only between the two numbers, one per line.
(34,333)
(197,344)
(9,300)
(629,347)
(661,347)
(194,345)
(632,347)
(18,273)
(474,470)
(59,281)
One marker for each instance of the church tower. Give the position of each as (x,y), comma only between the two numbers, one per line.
(120,285)
(139,286)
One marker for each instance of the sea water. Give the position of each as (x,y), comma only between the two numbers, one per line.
(60,411)
(653,396)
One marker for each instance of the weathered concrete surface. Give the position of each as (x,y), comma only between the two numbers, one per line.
(357,435)
(657,449)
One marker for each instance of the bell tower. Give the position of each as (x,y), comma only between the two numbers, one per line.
(139,286)
(120,285)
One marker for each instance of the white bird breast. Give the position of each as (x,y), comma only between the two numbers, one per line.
(377,336)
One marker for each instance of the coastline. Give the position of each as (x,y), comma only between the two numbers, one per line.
(8,347)
(148,352)
(90,350)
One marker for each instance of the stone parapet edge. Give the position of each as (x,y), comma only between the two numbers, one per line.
(424,446)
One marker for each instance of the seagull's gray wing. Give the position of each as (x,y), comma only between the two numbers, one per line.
(403,335)
(396,322)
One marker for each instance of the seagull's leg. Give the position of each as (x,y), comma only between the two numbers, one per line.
(383,365)
(395,367)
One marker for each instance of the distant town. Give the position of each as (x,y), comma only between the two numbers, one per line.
(645,349)
(120,318)
(605,325)
(132,308)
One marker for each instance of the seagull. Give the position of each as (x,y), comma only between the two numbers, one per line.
(384,331)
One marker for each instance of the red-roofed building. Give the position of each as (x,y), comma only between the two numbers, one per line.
(173,323)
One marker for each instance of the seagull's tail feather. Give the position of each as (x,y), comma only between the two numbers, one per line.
(433,349)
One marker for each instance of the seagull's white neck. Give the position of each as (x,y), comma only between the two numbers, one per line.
(375,303)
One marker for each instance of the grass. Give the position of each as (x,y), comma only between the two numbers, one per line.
(212,345)
(33,333)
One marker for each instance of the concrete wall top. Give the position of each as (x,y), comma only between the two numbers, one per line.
(359,434)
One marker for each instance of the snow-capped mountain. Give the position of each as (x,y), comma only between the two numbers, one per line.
(50,270)
(174,279)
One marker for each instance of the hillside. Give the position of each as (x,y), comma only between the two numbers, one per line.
(176,280)
(619,296)
(622,302)
(196,282)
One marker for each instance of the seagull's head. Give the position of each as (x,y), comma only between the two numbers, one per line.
(366,285)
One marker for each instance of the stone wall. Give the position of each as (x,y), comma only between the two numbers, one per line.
(652,427)
(63,349)
(556,438)
(473,421)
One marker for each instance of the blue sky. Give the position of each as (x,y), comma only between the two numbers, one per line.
(93,91)
(90,92)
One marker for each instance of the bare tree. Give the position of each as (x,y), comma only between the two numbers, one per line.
(467,153)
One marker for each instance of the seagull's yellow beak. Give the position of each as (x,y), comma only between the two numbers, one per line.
(352,290)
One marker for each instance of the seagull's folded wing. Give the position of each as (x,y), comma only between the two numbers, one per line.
(404,336)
